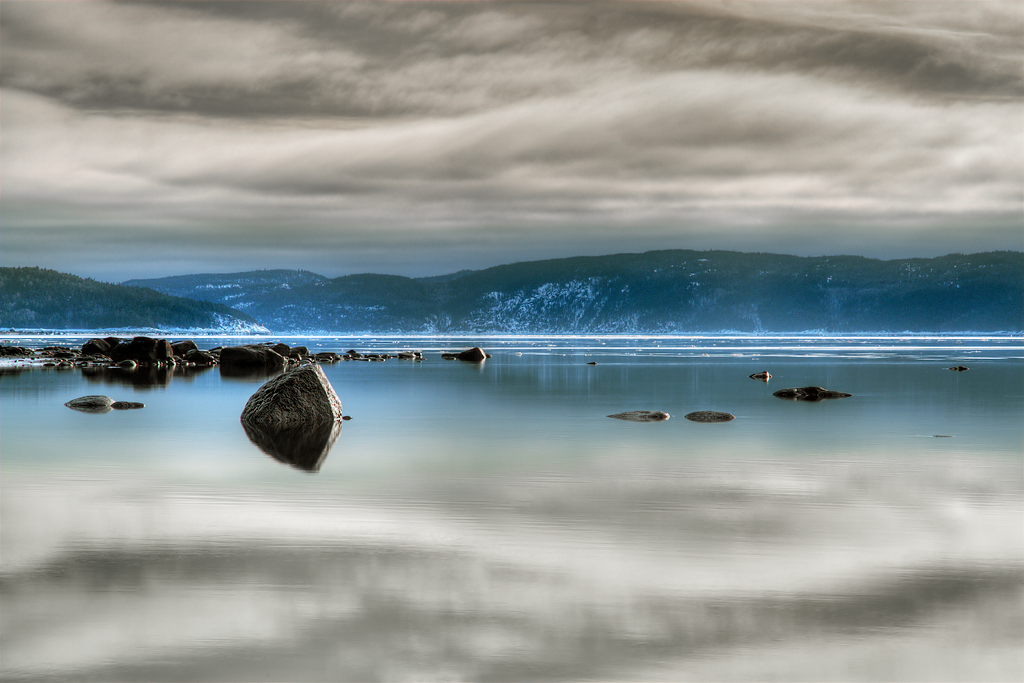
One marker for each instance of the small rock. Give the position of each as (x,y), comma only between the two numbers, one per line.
(762,376)
(960,368)
(182,348)
(473,355)
(91,404)
(127,405)
(593,362)
(809,394)
(128,364)
(709,416)
(641,416)
(943,436)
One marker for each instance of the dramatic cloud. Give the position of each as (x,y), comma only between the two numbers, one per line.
(154,138)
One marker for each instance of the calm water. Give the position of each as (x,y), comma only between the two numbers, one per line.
(490,523)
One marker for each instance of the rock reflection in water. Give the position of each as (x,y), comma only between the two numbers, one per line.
(235,372)
(305,447)
(143,377)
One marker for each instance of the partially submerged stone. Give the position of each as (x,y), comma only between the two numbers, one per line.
(641,416)
(127,405)
(959,368)
(91,404)
(251,357)
(809,394)
(709,416)
(761,376)
(302,396)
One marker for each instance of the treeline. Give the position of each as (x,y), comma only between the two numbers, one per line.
(42,298)
(670,291)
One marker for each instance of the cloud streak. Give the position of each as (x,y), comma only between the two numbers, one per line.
(422,138)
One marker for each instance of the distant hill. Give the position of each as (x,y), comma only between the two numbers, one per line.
(672,291)
(39,298)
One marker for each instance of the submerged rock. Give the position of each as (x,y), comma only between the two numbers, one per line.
(91,404)
(709,416)
(127,405)
(300,397)
(641,416)
(809,394)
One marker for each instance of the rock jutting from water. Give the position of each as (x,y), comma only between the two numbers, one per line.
(809,394)
(761,376)
(302,396)
(959,368)
(641,416)
(709,416)
(473,355)
(127,405)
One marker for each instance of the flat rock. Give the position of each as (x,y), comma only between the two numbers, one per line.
(302,396)
(809,394)
(709,416)
(127,405)
(641,416)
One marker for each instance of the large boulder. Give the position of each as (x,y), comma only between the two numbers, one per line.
(301,397)
(143,350)
(251,357)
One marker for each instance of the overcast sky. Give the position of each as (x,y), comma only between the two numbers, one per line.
(142,139)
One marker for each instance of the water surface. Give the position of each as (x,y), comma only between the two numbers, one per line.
(488,522)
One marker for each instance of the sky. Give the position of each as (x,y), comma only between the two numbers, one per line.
(145,139)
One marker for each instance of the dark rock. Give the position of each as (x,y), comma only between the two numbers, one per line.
(761,376)
(809,394)
(298,352)
(15,352)
(128,364)
(709,416)
(593,362)
(96,347)
(641,416)
(200,358)
(304,447)
(181,348)
(127,405)
(473,355)
(352,353)
(143,350)
(960,368)
(300,397)
(91,404)
(282,349)
(251,357)
(327,357)
(112,341)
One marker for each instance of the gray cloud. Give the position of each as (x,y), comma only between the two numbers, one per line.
(416,137)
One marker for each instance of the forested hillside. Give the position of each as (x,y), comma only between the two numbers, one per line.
(41,298)
(673,291)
